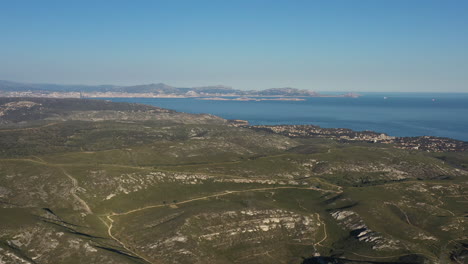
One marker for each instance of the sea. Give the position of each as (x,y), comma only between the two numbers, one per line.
(396,114)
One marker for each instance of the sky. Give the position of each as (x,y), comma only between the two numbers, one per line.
(329,45)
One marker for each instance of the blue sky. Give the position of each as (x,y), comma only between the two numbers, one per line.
(329,45)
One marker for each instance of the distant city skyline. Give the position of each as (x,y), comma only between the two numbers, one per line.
(338,45)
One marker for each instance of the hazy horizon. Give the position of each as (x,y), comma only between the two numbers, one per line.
(253,89)
(327,46)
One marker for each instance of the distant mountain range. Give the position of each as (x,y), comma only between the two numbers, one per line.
(8,88)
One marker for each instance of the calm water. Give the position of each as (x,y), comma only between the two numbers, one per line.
(401,114)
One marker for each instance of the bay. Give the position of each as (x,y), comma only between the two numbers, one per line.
(397,114)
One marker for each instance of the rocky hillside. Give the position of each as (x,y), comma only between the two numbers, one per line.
(88,181)
(21,110)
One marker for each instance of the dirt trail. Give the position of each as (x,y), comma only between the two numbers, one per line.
(74,181)
(109,232)
(325,236)
(222,194)
(73,191)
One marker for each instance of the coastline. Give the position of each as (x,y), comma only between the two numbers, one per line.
(368,113)
(250,99)
(400,117)
(220,97)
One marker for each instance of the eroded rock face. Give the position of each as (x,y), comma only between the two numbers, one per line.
(44,245)
(251,229)
(16,108)
(12,106)
(133,182)
(351,221)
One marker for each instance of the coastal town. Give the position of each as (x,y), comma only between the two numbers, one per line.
(424,143)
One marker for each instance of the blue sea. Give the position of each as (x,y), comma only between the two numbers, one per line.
(397,114)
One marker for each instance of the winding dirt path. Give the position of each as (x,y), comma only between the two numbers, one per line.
(109,232)
(324,231)
(73,180)
(73,191)
(221,194)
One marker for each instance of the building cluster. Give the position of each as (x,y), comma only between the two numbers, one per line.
(40,94)
(424,143)
(431,144)
(308,131)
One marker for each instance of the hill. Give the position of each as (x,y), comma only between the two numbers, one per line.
(90,181)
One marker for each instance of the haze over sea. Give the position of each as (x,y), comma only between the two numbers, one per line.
(401,114)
